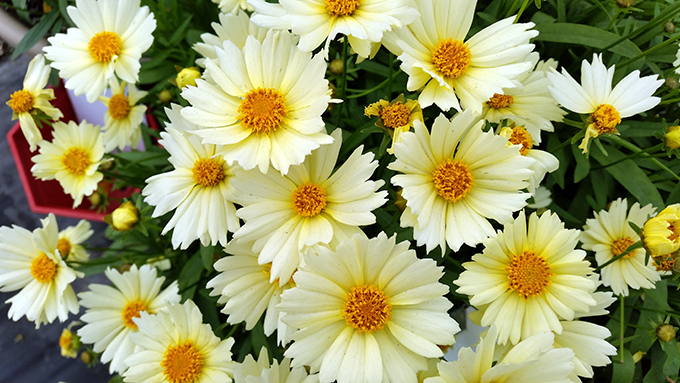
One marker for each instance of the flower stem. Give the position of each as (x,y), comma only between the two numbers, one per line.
(622,329)
(635,149)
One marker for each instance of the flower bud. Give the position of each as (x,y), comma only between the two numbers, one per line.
(669,27)
(673,137)
(95,199)
(187,77)
(86,357)
(660,234)
(624,3)
(336,66)
(165,96)
(69,343)
(665,332)
(124,218)
(671,82)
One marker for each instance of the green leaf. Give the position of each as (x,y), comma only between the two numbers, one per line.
(659,295)
(672,364)
(578,34)
(35,34)
(179,33)
(64,14)
(191,273)
(623,372)
(207,253)
(655,374)
(582,164)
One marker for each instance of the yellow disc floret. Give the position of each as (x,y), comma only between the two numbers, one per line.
(451,57)
(605,118)
(76,161)
(520,136)
(452,180)
(621,244)
(395,115)
(341,7)
(21,101)
(262,110)
(529,274)
(132,310)
(104,45)
(309,199)
(207,172)
(498,101)
(43,269)
(366,308)
(119,106)
(182,363)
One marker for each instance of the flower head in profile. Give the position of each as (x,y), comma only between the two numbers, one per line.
(199,189)
(396,116)
(110,311)
(30,262)
(233,6)
(371,312)
(72,158)
(70,240)
(108,40)
(176,346)
(123,118)
(260,371)
(69,343)
(457,178)
(661,234)
(595,96)
(609,235)
(263,104)
(33,99)
(528,278)
(437,58)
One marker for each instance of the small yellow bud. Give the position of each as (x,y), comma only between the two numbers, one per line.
(336,66)
(673,137)
(165,96)
(124,267)
(187,77)
(665,332)
(638,356)
(124,218)
(624,3)
(671,82)
(69,344)
(86,357)
(669,27)
(95,199)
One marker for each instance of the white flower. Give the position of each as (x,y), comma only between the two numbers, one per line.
(588,341)
(70,240)
(457,178)
(369,312)
(123,117)
(30,262)
(110,311)
(260,371)
(595,96)
(233,6)
(438,60)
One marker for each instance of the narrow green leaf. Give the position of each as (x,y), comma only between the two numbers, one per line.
(179,33)
(35,34)
(206,253)
(191,272)
(582,165)
(578,34)
(63,4)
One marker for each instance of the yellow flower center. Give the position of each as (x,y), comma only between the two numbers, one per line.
(664,263)
(104,45)
(452,180)
(366,308)
(21,101)
(529,274)
(309,199)
(207,172)
(182,363)
(341,7)
(262,110)
(132,310)
(43,268)
(66,339)
(605,118)
(451,57)
(75,160)
(395,115)
(119,106)
(64,247)
(498,101)
(674,232)
(520,136)
(620,245)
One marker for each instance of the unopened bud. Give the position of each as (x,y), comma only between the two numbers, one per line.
(669,27)
(336,66)
(165,96)
(665,332)
(672,137)
(124,267)
(624,3)
(187,77)
(671,82)
(124,218)
(95,199)
(86,357)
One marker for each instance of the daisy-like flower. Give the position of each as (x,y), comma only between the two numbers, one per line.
(661,234)
(233,6)
(199,189)
(533,360)
(369,312)
(176,346)
(70,240)
(529,278)
(609,235)
(286,214)
(362,22)
(457,178)
(438,60)
(245,289)
(232,27)
(260,371)
(109,39)
(30,262)
(530,104)
(123,118)
(588,341)
(595,96)
(265,104)
(32,99)
(110,311)
(72,158)
(396,116)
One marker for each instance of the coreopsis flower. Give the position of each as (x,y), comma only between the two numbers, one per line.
(32,99)
(70,240)
(396,116)
(244,287)
(661,234)
(233,6)
(456,179)
(123,118)
(176,346)
(285,215)
(434,53)
(260,371)
(595,96)
(588,341)
(362,22)
(534,360)
(545,162)
(199,189)
(609,235)
(124,218)
(265,104)
(69,343)
(530,104)
(527,279)
(371,311)
(109,39)
(30,262)
(72,158)
(109,311)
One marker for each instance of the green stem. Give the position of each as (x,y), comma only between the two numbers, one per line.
(658,20)
(560,146)
(669,101)
(636,245)
(635,149)
(521,10)
(379,86)
(514,4)
(622,329)
(650,50)
(343,87)
(575,124)
(636,155)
